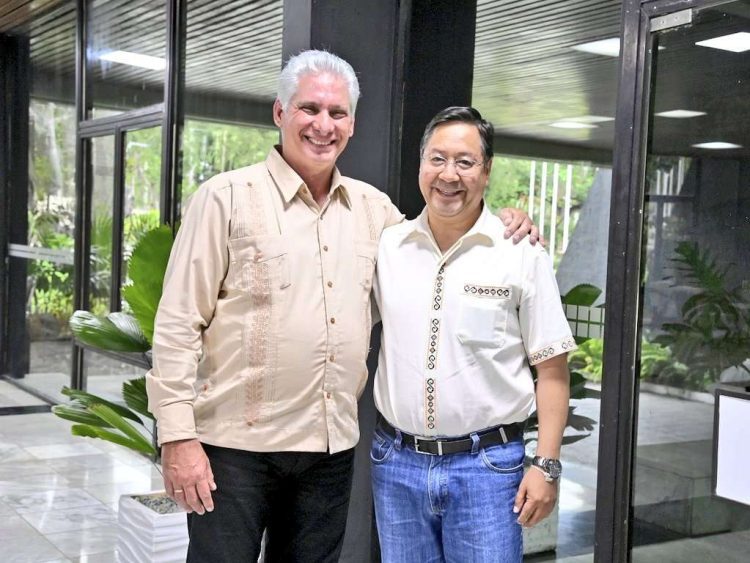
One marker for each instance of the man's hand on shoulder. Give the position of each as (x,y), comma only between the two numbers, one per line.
(535,499)
(187,475)
(518,224)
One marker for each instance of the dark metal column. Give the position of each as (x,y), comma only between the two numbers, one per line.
(621,330)
(174,93)
(438,72)
(4,215)
(16,108)
(83,189)
(412,58)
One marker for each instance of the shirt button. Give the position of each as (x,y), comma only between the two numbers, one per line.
(331,358)
(330,284)
(328,395)
(325,247)
(333,321)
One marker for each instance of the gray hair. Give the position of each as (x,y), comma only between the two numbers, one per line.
(315,62)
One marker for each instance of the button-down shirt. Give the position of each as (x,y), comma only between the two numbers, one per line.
(264,324)
(461,328)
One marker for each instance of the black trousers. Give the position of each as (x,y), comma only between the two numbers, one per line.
(300,498)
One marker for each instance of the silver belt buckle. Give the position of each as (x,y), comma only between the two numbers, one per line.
(417,439)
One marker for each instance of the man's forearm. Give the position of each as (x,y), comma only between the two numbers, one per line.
(552,398)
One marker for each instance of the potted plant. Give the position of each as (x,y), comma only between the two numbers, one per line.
(714,331)
(151,527)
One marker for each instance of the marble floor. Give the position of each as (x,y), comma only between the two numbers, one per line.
(59,493)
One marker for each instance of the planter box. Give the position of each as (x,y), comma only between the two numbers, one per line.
(146,535)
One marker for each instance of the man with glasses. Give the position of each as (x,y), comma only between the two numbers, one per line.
(263,330)
(465,316)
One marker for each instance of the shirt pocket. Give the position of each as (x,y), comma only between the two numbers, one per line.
(483,317)
(366,251)
(260,265)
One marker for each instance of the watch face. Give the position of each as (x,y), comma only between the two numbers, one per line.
(554,468)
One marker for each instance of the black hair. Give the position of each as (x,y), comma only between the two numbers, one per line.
(462,114)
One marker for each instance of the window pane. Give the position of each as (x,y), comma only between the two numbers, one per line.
(102,191)
(142,181)
(695,322)
(210,148)
(230,85)
(126,54)
(51,197)
(554,107)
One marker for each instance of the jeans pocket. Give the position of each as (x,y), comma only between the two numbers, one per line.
(506,458)
(381,449)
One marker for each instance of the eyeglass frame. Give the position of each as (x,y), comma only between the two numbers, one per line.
(459,171)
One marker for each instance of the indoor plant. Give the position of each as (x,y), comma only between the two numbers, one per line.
(151,526)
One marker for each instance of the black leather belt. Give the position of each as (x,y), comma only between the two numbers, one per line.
(441,446)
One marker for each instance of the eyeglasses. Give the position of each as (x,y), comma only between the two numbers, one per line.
(463,166)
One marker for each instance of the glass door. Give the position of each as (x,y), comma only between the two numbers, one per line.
(695,282)
(124,178)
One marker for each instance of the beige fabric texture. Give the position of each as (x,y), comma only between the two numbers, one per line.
(264,324)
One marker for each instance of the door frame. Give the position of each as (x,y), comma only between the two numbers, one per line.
(619,400)
(169,114)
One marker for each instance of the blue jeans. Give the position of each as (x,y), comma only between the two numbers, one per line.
(456,507)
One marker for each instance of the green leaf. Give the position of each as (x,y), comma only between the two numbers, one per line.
(583,294)
(146,269)
(127,324)
(106,413)
(134,393)
(93,432)
(79,414)
(89,400)
(103,333)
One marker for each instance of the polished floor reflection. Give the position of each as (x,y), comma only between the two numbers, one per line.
(58,494)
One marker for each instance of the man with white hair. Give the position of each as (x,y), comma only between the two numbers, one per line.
(263,331)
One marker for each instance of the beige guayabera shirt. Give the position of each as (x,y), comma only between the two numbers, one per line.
(264,324)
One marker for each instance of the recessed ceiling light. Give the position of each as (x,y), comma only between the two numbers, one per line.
(608,47)
(717,145)
(135,59)
(680,113)
(590,119)
(572,125)
(736,42)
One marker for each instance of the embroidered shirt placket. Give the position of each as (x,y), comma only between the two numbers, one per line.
(432,350)
(256,337)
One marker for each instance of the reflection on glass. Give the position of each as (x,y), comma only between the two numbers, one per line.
(142,181)
(102,191)
(569,202)
(126,54)
(48,308)
(104,376)
(51,197)
(230,86)
(210,148)
(695,323)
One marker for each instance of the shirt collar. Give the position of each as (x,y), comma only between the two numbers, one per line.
(482,229)
(290,183)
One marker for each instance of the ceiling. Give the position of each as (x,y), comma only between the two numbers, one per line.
(527,74)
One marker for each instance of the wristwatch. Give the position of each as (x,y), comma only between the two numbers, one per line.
(552,468)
